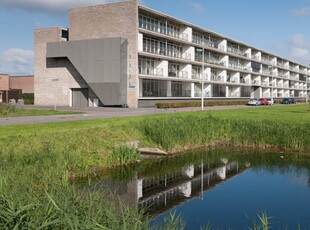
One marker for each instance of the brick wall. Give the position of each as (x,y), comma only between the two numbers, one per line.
(47,91)
(25,83)
(106,21)
(4,82)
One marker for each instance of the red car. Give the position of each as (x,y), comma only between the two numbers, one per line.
(263,101)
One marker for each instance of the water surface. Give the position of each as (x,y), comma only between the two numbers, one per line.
(226,189)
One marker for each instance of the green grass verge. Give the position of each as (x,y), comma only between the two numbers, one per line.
(36,160)
(13,111)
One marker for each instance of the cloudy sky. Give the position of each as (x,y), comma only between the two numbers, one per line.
(277,26)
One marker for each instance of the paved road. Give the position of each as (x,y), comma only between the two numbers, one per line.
(96,113)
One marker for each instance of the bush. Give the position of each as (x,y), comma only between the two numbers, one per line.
(28,98)
(182,104)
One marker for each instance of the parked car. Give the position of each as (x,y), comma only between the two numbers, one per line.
(270,101)
(254,102)
(263,101)
(288,101)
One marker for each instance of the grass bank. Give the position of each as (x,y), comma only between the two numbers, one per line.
(37,160)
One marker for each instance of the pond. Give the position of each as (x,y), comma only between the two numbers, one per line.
(224,189)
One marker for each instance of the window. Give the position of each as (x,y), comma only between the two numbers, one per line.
(146,66)
(219,91)
(154,88)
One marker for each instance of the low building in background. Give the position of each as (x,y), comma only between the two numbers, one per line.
(12,87)
(130,55)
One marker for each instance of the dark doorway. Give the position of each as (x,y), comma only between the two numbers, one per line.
(80,97)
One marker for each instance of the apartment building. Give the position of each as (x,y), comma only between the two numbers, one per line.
(127,54)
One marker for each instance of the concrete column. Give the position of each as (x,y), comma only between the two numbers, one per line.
(192,89)
(169,89)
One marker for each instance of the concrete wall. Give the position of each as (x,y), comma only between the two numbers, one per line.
(107,21)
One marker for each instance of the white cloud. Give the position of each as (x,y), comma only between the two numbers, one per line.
(196,7)
(299,48)
(48,6)
(302,12)
(17,61)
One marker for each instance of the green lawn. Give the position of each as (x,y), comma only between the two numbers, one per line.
(12,111)
(295,114)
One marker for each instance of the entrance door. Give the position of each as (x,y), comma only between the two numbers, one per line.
(79,97)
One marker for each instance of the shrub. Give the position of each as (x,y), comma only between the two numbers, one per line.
(28,98)
(181,104)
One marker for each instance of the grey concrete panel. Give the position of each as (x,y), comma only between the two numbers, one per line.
(100,64)
(108,93)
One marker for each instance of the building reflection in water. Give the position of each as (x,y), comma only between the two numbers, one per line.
(161,193)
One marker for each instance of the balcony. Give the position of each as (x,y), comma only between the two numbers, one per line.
(255,82)
(232,80)
(212,61)
(164,52)
(151,71)
(154,27)
(179,74)
(196,76)
(237,52)
(238,66)
(254,57)
(217,78)
(245,81)
(211,44)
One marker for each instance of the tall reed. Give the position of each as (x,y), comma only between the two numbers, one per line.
(182,131)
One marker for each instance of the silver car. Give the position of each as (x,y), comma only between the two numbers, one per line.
(254,102)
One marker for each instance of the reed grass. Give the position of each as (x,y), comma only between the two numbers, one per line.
(7,110)
(124,155)
(263,223)
(181,131)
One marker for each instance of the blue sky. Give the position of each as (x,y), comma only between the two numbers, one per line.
(277,26)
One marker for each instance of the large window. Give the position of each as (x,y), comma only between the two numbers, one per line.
(219,91)
(196,72)
(148,23)
(173,70)
(206,39)
(154,88)
(146,66)
(178,89)
(150,45)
